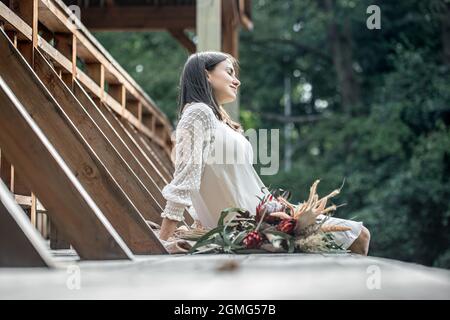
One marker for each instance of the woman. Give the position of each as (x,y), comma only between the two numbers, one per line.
(207,174)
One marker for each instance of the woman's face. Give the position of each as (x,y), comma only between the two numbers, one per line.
(224,82)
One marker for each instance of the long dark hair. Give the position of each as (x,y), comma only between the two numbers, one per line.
(194,86)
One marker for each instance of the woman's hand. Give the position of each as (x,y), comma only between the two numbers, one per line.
(167,228)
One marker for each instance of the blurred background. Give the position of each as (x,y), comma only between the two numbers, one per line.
(371,106)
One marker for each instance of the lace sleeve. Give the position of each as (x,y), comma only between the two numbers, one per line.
(194,138)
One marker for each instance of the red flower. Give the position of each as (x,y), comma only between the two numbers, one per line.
(267,206)
(253,240)
(287,226)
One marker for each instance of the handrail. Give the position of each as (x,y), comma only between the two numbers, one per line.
(131,102)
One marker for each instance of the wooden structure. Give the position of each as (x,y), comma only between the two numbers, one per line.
(174,16)
(84,152)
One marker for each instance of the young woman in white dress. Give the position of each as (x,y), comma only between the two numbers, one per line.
(213,159)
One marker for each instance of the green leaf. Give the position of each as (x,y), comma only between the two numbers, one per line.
(204,238)
(291,245)
(224,213)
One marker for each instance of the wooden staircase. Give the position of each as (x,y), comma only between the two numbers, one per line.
(83,150)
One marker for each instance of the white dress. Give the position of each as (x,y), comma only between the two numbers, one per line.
(214,170)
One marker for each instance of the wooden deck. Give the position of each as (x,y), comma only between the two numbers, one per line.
(268,276)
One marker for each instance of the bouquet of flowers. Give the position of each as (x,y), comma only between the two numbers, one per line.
(276,226)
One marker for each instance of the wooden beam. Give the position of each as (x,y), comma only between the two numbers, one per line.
(245,14)
(138,18)
(20,243)
(183,39)
(5,169)
(72,208)
(112,184)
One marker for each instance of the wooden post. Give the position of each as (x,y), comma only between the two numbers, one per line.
(33,210)
(230,44)
(28,11)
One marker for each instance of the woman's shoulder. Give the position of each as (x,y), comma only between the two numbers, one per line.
(198,109)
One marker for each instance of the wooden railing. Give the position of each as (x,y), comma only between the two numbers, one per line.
(48,25)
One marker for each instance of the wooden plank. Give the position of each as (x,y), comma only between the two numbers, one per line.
(162,157)
(57,57)
(33,211)
(150,156)
(134,140)
(139,18)
(20,243)
(73,210)
(116,190)
(151,168)
(141,174)
(5,169)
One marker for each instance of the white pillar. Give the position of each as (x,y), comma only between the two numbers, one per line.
(209,25)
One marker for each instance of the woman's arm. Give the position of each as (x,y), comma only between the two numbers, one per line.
(167,228)
(193,142)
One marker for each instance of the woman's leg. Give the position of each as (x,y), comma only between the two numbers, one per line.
(361,244)
(356,240)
